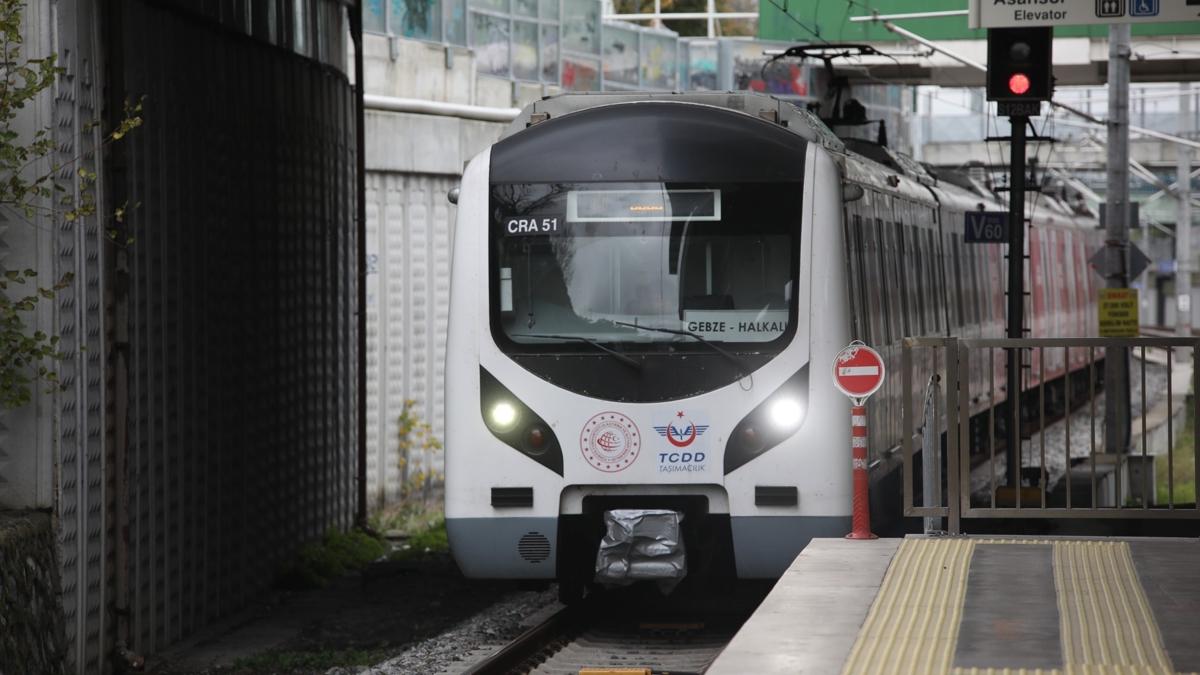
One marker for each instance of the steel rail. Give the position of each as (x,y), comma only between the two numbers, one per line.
(509,657)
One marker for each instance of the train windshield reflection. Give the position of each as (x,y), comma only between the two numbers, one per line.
(583,261)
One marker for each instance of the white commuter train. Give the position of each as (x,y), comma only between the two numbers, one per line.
(648,291)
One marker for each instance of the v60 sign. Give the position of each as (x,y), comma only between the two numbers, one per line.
(986,227)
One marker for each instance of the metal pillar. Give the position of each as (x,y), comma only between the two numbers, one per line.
(1183,226)
(1016,293)
(1116,362)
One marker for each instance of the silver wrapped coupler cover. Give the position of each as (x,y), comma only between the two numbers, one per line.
(641,544)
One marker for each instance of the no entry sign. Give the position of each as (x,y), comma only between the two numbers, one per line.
(858,371)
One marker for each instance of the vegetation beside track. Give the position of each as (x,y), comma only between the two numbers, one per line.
(337,553)
(1184,465)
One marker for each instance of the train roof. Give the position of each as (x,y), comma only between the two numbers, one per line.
(798,121)
(861,160)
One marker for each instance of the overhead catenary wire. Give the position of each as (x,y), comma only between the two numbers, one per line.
(980,67)
(811,31)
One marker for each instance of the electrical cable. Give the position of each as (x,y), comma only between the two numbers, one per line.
(798,22)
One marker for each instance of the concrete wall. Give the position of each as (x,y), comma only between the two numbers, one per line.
(412,162)
(435,72)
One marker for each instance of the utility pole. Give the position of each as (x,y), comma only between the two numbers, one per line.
(1116,360)
(1183,222)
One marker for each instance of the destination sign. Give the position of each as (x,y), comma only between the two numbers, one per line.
(1023,13)
(736,325)
(608,206)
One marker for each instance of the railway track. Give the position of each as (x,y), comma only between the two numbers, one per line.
(605,634)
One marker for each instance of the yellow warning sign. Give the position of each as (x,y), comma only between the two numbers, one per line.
(1118,312)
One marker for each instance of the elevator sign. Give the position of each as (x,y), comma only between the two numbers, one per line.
(1026,13)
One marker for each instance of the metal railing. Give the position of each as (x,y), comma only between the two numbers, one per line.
(1064,468)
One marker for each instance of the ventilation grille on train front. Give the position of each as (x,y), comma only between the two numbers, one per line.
(534,547)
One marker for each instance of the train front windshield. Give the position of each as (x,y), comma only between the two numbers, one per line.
(644,263)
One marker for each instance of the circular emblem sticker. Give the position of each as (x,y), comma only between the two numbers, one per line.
(610,441)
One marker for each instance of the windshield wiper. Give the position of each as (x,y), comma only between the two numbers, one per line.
(741,365)
(611,352)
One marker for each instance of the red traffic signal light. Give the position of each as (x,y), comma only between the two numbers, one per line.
(1019,64)
(1018,84)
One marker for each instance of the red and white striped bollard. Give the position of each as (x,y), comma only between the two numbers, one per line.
(861,510)
(858,372)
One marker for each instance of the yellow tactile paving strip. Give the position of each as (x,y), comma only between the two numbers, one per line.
(1107,627)
(1105,619)
(913,624)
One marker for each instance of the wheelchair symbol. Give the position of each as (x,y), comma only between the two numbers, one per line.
(1143,8)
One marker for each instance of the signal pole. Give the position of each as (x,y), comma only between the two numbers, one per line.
(1117,211)
(1019,78)
(1016,293)
(1183,227)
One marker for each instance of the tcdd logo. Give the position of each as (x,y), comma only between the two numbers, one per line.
(682,432)
(677,457)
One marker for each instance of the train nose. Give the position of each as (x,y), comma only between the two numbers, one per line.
(698,522)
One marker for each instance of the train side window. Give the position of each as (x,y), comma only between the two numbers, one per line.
(891,272)
(1064,294)
(939,289)
(912,265)
(901,282)
(851,266)
(874,282)
(1068,262)
(952,278)
(870,324)
(1047,274)
(936,280)
(887,311)
(857,291)
(955,243)
(923,290)
(1050,288)
(983,277)
(974,295)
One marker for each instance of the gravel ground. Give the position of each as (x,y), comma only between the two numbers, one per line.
(395,610)
(1080,438)
(470,639)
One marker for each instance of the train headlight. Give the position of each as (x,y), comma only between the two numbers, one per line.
(503,415)
(786,413)
(517,425)
(771,422)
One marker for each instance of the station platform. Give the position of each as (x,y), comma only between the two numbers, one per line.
(978,605)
